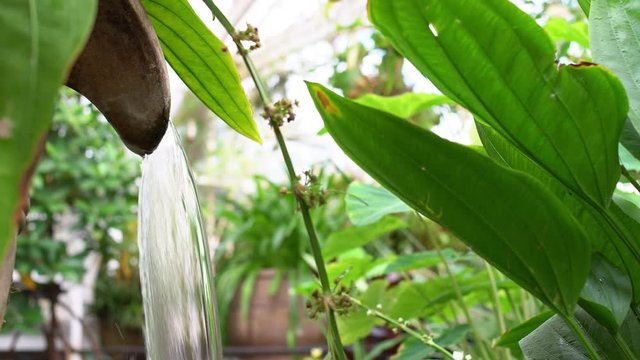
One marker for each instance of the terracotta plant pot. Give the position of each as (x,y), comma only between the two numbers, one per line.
(268,320)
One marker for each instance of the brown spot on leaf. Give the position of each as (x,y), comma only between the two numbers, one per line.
(583,64)
(326,103)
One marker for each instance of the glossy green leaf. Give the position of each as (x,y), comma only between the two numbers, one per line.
(203,62)
(356,236)
(615,42)
(607,294)
(506,217)
(404,105)
(367,204)
(496,61)
(554,340)
(612,239)
(514,335)
(38,42)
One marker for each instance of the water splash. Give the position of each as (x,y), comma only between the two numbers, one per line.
(175,272)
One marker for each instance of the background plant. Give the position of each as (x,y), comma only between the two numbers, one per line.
(84,202)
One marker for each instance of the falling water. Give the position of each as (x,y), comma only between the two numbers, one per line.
(177,284)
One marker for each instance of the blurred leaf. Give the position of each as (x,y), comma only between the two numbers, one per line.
(357,324)
(405,105)
(203,62)
(494,59)
(413,349)
(418,260)
(440,180)
(615,40)
(356,236)
(607,294)
(560,29)
(367,204)
(38,42)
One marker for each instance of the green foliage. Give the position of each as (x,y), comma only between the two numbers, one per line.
(567,119)
(84,185)
(203,62)
(259,232)
(555,340)
(38,42)
(367,204)
(23,314)
(442,186)
(354,237)
(405,105)
(538,202)
(607,294)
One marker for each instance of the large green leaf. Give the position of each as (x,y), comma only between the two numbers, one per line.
(496,61)
(38,42)
(507,217)
(203,62)
(615,42)
(614,239)
(367,204)
(607,294)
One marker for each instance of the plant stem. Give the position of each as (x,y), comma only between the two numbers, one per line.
(624,347)
(631,179)
(465,310)
(497,307)
(579,332)
(514,307)
(424,338)
(335,342)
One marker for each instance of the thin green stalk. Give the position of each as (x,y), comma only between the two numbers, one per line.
(497,307)
(624,347)
(335,343)
(524,302)
(631,179)
(580,334)
(465,310)
(516,309)
(424,338)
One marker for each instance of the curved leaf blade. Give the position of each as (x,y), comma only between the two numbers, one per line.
(367,204)
(606,294)
(615,42)
(38,42)
(505,216)
(403,105)
(613,240)
(554,340)
(202,62)
(497,62)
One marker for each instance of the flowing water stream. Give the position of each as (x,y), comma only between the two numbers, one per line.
(175,271)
